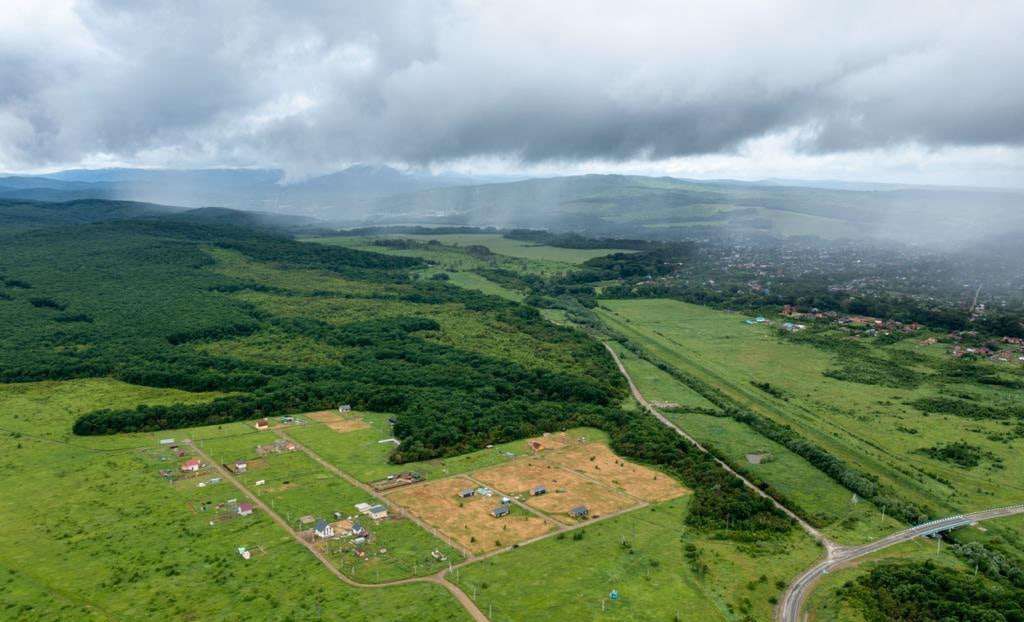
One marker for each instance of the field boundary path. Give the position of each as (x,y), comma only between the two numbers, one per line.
(437,578)
(831,547)
(376,495)
(796,594)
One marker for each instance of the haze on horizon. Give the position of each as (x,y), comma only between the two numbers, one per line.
(904,92)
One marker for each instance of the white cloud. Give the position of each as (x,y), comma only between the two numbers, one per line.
(795,89)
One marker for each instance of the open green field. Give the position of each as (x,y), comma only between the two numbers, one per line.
(500,245)
(91,531)
(472,280)
(642,555)
(814,493)
(296,486)
(360,454)
(452,252)
(869,426)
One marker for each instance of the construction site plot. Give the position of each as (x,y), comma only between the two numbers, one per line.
(563,489)
(338,422)
(598,461)
(468,521)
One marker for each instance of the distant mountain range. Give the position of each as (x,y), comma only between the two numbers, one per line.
(345,195)
(650,207)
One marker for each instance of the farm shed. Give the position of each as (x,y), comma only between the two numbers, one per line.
(244,509)
(501,510)
(580,511)
(190,466)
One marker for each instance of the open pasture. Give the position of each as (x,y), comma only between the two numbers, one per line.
(660,570)
(112,540)
(468,521)
(870,426)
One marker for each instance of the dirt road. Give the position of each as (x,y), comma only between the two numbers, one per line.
(438,578)
(830,547)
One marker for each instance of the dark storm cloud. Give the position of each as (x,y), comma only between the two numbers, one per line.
(306,85)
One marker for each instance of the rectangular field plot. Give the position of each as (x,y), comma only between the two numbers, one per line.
(338,422)
(564,489)
(468,521)
(597,461)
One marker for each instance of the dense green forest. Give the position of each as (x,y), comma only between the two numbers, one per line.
(923,592)
(142,301)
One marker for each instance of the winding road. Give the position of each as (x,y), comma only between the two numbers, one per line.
(791,604)
(796,594)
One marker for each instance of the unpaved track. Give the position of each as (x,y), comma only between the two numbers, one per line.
(375,494)
(788,609)
(831,548)
(438,578)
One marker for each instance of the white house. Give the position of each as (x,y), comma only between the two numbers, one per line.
(323,529)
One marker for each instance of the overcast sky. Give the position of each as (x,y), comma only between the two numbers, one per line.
(926,92)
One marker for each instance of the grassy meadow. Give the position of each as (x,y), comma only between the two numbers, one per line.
(814,493)
(360,454)
(93,532)
(867,425)
(644,556)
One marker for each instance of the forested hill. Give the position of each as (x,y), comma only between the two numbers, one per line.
(19,215)
(670,209)
(282,326)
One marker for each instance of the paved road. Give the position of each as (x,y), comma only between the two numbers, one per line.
(438,578)
(796,594)
(830,547)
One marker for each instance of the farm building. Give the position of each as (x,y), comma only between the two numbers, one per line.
(345,408)
(241,466)
(501,510)
(363,508)
(466,493)
(580,511)
(358,530)
(378,512)
(536,491)
(262,424)
(244,509)
(190,466)
(323,529)
(167,441)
